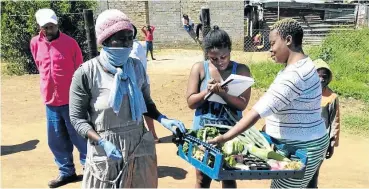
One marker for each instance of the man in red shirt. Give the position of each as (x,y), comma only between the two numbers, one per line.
(149,37)
(57,56)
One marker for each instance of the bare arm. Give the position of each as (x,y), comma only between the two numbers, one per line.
(335,124)
(245,123)
(195,98)
(268,104)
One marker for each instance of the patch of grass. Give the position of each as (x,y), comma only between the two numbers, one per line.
(264,73)
(356,124)
(354,117)
(346,52)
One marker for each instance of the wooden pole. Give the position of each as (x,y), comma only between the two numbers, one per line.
(205,16)
(90,32)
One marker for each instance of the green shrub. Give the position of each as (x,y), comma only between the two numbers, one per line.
(18,26)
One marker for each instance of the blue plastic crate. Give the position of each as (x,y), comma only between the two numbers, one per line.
(217,172)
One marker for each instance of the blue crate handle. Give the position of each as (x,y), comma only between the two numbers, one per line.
(190,138)
(213,172)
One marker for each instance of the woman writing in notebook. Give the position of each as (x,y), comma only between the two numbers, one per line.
(207,77)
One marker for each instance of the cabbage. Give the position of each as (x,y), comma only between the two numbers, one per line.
(233,147)
(207,133)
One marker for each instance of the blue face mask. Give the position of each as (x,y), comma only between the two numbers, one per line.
(117,56)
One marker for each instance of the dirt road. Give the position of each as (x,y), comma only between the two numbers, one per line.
(26,160)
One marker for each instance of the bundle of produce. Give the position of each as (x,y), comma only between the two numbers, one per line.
(251,142)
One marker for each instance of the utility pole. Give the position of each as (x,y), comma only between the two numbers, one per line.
(88,16)
(205,17)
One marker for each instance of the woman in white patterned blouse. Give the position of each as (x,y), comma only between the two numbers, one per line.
(291,106)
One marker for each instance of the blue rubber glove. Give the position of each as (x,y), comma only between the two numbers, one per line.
(170,123)
(110,149)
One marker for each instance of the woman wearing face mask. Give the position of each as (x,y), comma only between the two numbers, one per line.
(291,105)
(206,77)
(108,98)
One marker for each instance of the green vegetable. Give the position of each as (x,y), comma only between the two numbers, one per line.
(233,147)
(274,155)
(265,154)
(185,147)
(191,132)
(250,136)
(203,134)
(260,153)
(206,133)
(230,161)
(258,138)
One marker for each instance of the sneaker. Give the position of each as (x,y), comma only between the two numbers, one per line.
(62,180)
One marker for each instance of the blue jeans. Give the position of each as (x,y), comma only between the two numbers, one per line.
(149,46)
(61,137)
(187,28)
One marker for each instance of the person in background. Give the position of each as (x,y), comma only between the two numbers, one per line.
(257,39)
(57,56)
(139,52)
(291,105)
(109,96)
(149,38)
(217,45)
(199,27)
(330,112)
(187,23)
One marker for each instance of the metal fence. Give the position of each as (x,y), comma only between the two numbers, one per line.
(259,40)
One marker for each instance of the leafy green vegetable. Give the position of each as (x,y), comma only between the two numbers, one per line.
(265,154)
(274,155)
(233,147)
(185,147)
(230,161)
(207,133)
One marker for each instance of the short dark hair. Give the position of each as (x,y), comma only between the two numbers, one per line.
(185,16)
(289,26)
(134,31)
(217,39)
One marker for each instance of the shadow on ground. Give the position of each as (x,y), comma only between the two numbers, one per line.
(174,172)
(26,146)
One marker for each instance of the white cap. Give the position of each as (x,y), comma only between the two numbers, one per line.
(44,16)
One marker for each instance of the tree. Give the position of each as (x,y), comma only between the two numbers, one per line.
(18,26)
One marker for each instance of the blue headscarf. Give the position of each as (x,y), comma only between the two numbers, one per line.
(116,61)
